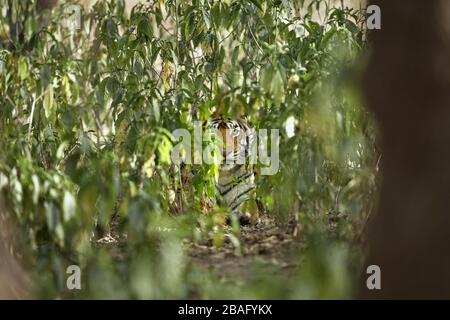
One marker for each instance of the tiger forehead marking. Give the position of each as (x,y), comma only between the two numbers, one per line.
(234,134)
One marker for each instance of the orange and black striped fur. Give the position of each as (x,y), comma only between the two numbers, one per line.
(236,183)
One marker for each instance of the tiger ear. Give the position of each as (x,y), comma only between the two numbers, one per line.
(244,117)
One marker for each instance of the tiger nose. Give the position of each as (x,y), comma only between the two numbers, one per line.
(227,156)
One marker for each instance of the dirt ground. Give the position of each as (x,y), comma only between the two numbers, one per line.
(268,242)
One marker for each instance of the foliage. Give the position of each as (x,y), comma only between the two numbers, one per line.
(85,132)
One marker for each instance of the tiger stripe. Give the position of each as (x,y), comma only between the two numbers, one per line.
(236,180)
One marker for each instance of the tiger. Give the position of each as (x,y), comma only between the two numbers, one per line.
(236,182)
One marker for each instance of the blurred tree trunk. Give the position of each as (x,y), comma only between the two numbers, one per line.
(12,277)
(14,283)
(408,89)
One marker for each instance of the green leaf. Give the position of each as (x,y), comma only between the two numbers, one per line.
(69,206)
(66,87)
(137,67)
(271,80)
(145,28)
(265,78)
(36,188)
(257,4)
(45,75)
(2,67)
(277,87)
(112,86)
(111,27)
(23,68)
(164,149)
(48,101)
(52,215)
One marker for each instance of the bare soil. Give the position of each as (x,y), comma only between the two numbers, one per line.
(269,243)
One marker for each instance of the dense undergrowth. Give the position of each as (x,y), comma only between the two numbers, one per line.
(85,133)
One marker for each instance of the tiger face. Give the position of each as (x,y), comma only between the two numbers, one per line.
(234,135)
